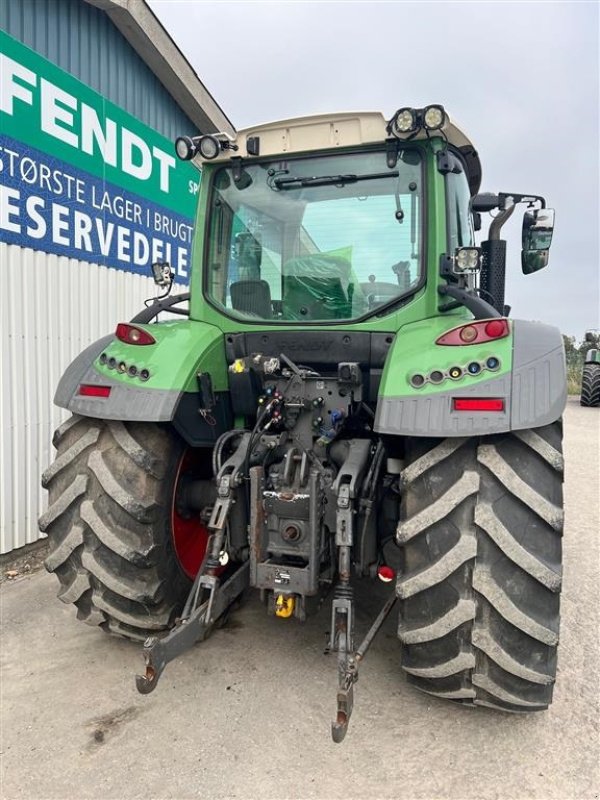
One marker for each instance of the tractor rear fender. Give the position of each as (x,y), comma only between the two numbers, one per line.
(525,371)
(168,393)
(592,356)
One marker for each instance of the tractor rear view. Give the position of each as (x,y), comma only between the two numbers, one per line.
(346,397)
(590,377)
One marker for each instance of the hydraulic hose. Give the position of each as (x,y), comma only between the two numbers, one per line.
(217,452)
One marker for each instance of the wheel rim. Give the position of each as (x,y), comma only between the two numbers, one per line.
(189,533)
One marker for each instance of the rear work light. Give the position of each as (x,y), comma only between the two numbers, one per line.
(476,332)
(89,390)
(132,335)
(478,403)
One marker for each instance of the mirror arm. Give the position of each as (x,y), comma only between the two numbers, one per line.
(530,199)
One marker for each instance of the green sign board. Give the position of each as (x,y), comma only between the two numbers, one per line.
(80,176)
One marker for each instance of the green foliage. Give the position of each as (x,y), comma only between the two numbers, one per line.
(575,355)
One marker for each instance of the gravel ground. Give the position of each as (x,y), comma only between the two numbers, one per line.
(247,714)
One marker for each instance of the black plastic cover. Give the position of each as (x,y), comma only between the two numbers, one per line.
(319,349)
(199,427)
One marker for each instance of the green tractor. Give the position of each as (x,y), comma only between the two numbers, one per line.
(590,377)
(346,398)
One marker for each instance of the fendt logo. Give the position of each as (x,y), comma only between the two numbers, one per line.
(77,124)
(81,177)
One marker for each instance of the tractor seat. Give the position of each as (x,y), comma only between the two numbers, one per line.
(314,287)
(252,297)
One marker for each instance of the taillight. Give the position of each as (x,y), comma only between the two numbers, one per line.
(476,332)
(478,403)
(132,335)
(89,390)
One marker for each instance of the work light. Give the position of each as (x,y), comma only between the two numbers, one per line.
(434,117)
(162,273)
(209,147)
(467,259)
(185,147)
(404,122)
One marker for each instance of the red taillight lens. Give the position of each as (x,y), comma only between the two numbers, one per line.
(478,404)
(132,335)
(495,328)
(476,332)
(385,573)
(89,390)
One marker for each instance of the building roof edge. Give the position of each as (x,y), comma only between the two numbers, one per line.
(148,37)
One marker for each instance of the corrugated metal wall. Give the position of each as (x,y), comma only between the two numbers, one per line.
(82,40)
(51,307)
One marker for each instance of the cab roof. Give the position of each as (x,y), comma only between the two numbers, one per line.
(345,129)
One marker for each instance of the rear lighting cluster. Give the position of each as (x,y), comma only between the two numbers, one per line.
(122,367)
(132,335)
(437,376)
(476,332)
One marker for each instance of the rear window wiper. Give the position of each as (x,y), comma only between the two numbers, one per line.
(329,180)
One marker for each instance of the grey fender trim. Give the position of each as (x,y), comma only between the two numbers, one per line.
(126,403)
(432,415)
(534,392)
(73,375)
(539,375)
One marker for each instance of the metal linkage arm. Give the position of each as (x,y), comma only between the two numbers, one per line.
(158,652)
(345,695)
(208,599)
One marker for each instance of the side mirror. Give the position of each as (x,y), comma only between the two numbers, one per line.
(538,227)
(162,273)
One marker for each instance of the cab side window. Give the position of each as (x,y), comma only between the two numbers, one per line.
(460,220)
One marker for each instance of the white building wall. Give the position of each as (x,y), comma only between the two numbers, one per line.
(51,308)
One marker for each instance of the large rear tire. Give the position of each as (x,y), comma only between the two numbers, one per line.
(590,385)
(111,493)
(480,526)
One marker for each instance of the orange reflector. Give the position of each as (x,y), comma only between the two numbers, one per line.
(89,390)
(478,403)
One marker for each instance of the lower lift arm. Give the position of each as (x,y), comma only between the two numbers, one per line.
(208,598)
(348,674)
(342,612)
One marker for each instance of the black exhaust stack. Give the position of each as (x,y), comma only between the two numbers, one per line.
(493,270)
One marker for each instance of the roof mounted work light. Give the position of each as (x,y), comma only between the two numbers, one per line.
(185,147)
(434,117)
(406,122)
(209,146)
